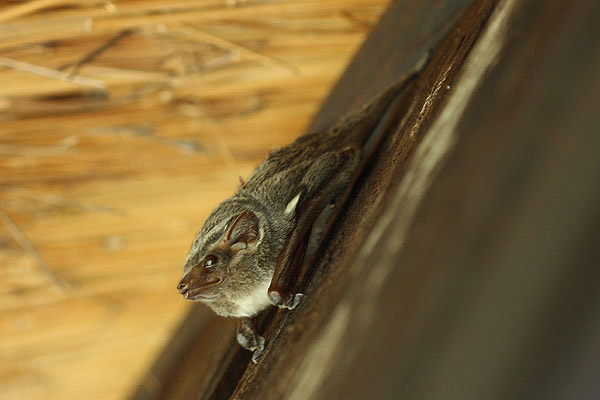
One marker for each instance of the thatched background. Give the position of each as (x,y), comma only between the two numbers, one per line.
(121,125)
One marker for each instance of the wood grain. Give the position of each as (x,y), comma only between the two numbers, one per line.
(291,335)
(466,264)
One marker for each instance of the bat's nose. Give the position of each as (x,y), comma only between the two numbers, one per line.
(183,286)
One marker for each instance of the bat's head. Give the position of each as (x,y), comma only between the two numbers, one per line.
(224,263)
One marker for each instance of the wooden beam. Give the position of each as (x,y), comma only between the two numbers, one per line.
(466,263)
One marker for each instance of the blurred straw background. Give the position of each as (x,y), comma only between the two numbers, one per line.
(121,125)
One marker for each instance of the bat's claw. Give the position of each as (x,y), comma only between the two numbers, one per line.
(250,340)
(259,350)
(293,301)
(290,301)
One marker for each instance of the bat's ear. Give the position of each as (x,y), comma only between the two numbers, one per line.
(243,232)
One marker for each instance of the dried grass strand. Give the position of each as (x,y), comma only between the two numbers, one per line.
(225,44)
(51,73)
(31,7)
(88,58)
(20,237)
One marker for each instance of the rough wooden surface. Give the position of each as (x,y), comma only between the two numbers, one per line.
(466,265)
(121,125)
(385,57)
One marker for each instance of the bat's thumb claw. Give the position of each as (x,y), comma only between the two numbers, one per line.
(297,298)
(290,301)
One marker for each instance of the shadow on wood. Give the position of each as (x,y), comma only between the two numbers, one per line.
(466,263)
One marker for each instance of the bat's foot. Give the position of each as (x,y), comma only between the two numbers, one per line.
(258,352)
(249,339)
(289,301)
(254,343)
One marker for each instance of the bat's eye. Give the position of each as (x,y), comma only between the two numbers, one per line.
(210,261)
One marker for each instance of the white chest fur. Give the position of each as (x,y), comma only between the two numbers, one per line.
(254,302)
